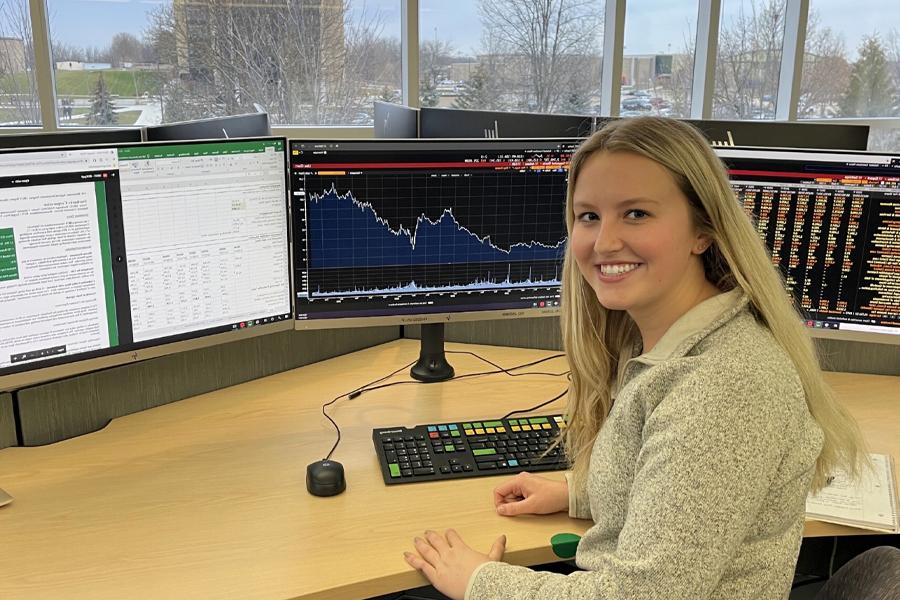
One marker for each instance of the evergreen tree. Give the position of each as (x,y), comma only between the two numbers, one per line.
(102,107)
(871,92)
(476,94)
(575,102)
(389,95)
(428,95)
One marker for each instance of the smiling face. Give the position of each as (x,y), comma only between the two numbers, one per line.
(635,241)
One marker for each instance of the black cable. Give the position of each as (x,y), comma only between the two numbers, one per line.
(534,408)
(372,385)
(352,395)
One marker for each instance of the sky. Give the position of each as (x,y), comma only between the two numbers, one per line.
(651,26)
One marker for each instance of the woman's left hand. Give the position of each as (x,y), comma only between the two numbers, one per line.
(448,563)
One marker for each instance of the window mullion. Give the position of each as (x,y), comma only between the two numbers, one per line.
(788,95)
(703,83)
(43,65)
(613,44)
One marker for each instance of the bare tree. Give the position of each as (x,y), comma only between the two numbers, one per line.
(543,44)
(826,72)
(306,62)
(749,59)
(18,87)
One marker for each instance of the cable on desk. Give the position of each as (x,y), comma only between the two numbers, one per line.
(352,395)
(372,385)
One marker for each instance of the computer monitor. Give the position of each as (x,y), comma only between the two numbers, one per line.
(395,121)
(459,123)
(832,223)
(427,231)
(114,254)
(464,123)
(71,138)
(784,135)
(249,125)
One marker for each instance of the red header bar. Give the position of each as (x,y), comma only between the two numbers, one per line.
(798,175)
(513,164)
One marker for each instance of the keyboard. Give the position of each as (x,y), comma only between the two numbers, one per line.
(439,451)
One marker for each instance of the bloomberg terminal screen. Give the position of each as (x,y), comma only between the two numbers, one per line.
(390,228)
(832,223)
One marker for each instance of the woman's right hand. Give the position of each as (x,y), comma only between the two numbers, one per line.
(527,494)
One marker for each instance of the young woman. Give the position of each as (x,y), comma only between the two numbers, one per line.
(698,419)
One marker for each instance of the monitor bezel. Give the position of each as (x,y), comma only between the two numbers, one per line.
(423,318)
(69,366)
(848,335)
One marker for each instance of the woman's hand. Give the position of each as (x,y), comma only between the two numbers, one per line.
(530,494)
(448,563)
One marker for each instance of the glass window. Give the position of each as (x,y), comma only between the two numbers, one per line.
(884,139)
(19,105)
(851,63)
(520,55)
(318,62)
(657,69)
(751,36)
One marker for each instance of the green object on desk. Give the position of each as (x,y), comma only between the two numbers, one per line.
(564,544)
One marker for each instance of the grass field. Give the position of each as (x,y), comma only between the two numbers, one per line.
(126,84)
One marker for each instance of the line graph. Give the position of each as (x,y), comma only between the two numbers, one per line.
(345,232)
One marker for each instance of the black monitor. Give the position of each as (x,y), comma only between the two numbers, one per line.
(832,223)
(396,121)
(458,123)
(463,123)
(237,126)
(427,231)
(71,138)
(784,135)
(114,254)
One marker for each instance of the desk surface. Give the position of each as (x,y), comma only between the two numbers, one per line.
(206,497)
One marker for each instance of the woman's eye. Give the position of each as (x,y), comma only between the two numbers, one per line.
(587,216)
(635,213)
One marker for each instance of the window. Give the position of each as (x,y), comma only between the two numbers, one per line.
(658,58)
(851,63)
(751,36)
(521,55)
(19,105)
(129,62)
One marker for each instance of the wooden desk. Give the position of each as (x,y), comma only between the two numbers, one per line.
(206,498)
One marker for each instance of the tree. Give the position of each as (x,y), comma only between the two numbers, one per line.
(872,92)
(434,58)
(749,61)
(476,92)
(543,45)
(102,107)
(125,48)
(305,62)
(826,72)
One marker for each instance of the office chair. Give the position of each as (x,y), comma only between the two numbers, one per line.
(873,575)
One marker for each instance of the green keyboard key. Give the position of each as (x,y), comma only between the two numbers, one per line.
(484,452)
(395,469)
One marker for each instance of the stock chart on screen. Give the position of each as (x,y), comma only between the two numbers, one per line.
(418,227)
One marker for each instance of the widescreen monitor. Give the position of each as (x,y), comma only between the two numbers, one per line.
(458,123)
(396,121)
(776,134)
(249,125)
(464,123)
(71,138)
(832,223)
(114,254)
(416,231)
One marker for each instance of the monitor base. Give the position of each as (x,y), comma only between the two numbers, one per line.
(432,365)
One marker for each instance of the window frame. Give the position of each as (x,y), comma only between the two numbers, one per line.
(797,12)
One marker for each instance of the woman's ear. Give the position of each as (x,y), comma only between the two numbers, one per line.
(703,242)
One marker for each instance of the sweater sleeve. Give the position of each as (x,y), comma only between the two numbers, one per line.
(710,451)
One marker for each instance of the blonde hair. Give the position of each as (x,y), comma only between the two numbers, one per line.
(594,336)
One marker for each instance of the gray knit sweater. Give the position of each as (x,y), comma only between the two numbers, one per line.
(698,479)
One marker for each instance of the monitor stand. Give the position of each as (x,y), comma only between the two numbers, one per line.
(432,365)
(5,498)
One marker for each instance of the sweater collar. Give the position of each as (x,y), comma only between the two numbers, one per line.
(693,326)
